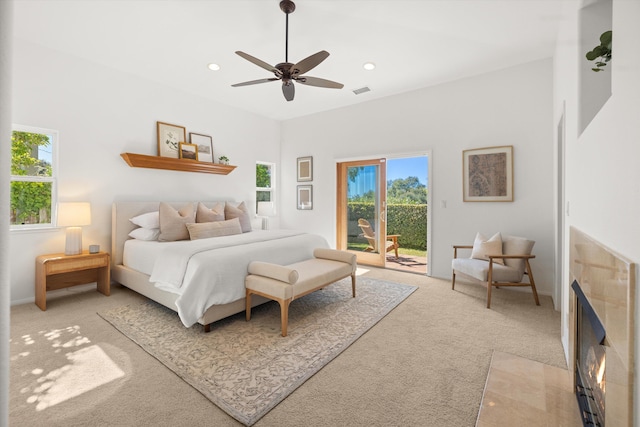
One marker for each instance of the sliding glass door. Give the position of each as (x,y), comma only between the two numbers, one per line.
(362,210)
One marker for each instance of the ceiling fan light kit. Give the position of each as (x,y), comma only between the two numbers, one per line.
(288,72)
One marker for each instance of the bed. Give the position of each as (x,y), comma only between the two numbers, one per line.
(202,280)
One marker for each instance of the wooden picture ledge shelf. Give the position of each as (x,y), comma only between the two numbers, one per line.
(187,165)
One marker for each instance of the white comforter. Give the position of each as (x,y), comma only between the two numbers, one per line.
(212,271)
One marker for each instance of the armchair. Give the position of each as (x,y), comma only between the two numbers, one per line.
(391,243)
(496,262)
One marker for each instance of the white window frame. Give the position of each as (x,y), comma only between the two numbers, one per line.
(272,189)
(53,179)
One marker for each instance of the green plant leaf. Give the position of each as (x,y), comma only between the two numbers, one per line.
(606,38)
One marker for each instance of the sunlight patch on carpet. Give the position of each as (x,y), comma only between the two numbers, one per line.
(69,373)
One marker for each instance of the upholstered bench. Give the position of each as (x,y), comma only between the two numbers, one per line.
(284,283)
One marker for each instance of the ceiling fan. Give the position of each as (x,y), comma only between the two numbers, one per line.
(288,72)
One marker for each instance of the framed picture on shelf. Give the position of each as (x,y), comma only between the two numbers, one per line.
(305,169)
(205,146)
(169,139)
(188,151)
(305,197)
(488,174)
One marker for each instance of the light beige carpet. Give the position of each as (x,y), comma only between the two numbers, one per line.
(247,368)
(423,364)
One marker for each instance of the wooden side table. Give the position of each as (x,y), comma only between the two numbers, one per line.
(58,271)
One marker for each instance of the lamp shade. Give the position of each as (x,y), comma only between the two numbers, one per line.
(74,214)
(266,209)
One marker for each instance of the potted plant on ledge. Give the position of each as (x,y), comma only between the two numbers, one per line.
(601,53)
(224,160)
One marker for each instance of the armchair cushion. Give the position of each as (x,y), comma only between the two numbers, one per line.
(479,269)
(483,247)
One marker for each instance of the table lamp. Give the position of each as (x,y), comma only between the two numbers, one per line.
(265,210)
(74,216)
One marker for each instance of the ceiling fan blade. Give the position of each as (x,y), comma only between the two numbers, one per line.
(309,63)
(288,90)
(315,81)
(255,82)
(259,63)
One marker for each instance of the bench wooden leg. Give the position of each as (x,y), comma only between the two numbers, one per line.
(353,284)
(284,315)
(248,305)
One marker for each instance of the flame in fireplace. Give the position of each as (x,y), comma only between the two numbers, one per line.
(601,371)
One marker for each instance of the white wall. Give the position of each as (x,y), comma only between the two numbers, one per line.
(100,113)
(602,173)
(508,107)
(6,48)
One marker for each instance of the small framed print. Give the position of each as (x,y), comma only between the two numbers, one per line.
(169,139)
(305,169)
(205,146)
(305,197)
(488,174)
(188,151)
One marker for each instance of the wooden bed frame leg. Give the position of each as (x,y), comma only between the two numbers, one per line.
(207,328)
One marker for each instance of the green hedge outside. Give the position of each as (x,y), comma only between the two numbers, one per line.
(409,221)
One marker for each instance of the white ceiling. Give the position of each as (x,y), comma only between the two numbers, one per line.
(414,44)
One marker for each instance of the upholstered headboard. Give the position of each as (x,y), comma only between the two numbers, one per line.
(121,212)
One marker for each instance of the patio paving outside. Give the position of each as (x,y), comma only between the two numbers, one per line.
(409,263)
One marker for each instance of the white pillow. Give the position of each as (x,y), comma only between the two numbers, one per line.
(204,230)
(483,247)
(148,234)
(147,220)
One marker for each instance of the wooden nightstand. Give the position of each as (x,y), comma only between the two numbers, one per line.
(57,271)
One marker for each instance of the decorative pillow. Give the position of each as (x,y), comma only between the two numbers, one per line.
(205,230)
(239,212)
(204,214)
(483,247)
(173,223)
(517,246)
(148,234)
(147,220)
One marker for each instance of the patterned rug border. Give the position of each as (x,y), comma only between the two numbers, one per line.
(133,333)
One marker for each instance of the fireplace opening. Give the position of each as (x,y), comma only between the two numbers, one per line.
(590,361)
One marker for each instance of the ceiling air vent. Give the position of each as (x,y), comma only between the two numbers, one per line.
(361,90)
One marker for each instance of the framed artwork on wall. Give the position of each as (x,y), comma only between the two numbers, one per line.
(305,169)
(205,146)
(305,197)
(488,174)
(188,151)
(169,139)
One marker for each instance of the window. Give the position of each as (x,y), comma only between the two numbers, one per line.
(33,177)
(265,182)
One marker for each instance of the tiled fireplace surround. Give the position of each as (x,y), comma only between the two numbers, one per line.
(608,281)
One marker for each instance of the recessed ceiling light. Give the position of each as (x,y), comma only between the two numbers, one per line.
(369,66)
(213,67)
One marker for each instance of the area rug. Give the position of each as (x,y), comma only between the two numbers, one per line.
(247,368)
